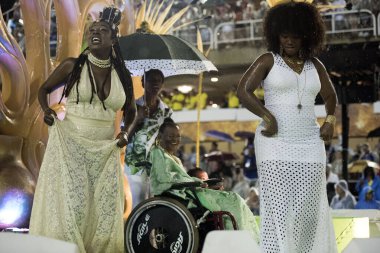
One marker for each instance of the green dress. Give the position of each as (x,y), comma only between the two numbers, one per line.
(167,170)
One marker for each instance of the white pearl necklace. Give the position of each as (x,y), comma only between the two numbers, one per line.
(99,62)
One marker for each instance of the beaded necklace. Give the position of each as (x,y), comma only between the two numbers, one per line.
(99,62)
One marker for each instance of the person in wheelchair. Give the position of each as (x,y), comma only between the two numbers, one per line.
(167,171)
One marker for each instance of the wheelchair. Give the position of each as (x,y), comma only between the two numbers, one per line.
(163,224)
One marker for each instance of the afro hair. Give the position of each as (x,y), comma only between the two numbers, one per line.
(297,18)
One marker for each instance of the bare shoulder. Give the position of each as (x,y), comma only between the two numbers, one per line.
(263,62)
(67,65)
(318,64)
(266,59)
(60,73)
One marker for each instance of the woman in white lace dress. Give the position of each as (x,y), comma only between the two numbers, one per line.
(79,195)
(289,144)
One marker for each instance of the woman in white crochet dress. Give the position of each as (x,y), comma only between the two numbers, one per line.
(289,143)
(79,195)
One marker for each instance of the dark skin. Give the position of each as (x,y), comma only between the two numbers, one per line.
(170,140)
(259,70)
(100,41)
(153,86)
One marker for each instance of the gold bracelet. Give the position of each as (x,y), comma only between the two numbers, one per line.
(266,119)
(330,119)
(124,134)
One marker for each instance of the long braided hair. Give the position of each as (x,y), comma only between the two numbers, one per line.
(111,16)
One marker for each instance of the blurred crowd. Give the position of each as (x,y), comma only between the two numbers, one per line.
(240,175)
(363,183)
(239,10)
(15,26)
(189,101)
(220,11)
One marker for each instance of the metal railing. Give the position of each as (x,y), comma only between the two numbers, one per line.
(230,32)
(190,35)
(361,21)
(358,23)
(378,24)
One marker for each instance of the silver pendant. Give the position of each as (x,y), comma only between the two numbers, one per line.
(299,106)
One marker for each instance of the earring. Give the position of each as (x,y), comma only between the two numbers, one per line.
(157,142)
(281,50)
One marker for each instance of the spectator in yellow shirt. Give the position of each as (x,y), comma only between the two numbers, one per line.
(232,99)
(178,99)
(202,99)
(165,97)
(191,100)
(259,92)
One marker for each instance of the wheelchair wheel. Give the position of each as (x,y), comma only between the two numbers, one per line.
(161,225)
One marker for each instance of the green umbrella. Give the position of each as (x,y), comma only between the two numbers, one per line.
(168,53)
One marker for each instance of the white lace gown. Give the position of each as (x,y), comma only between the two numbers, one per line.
(295,216)
(79,194)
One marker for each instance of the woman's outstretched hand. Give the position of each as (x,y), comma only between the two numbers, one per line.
(123,139)
(271,127)
(326,131)
(49,117)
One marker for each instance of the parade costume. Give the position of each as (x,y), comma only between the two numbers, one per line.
(295,216)
(79,195)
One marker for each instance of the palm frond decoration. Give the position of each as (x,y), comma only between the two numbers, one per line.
(157,17)
(200,88)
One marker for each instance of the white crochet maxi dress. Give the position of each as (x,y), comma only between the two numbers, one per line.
(295,216)
(79,196)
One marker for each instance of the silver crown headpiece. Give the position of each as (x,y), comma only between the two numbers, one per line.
(111,15)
